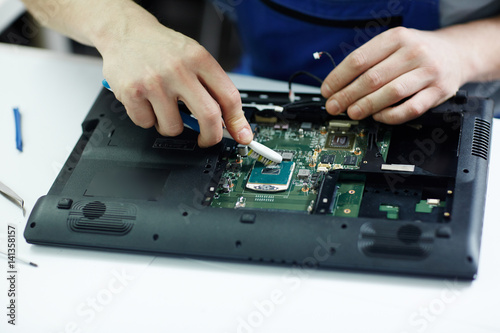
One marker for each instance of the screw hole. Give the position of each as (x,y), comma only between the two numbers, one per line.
(332,250)
(465,170)
(344,226)
(155,237)
(238,244)
(310,264)
(101,115)
(206,171)
(469,259)
(33,224)
(185,214)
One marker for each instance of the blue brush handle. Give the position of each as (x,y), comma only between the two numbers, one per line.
(192,123)
(188,121)
(106,85)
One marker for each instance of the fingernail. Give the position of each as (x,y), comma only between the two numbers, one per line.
(326,91)
(245,135)
(333,107)
(377,117)
(355,112)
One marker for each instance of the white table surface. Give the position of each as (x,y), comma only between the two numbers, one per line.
(91,291)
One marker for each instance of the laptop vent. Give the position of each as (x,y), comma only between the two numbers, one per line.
(481,138)
(395,241)
(102,218)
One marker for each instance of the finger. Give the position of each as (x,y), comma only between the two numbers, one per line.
(169,122)
(393,92)
(368,82)
(140,111)
(206,110)
(361,59)
(413,107)
(228,97)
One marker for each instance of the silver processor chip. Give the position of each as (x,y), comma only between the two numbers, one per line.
(272,178)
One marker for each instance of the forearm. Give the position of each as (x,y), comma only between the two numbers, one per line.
(478,46)
(90,22)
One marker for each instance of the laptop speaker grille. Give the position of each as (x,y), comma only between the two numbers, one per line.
(481,138)
(102,218)
(399,242)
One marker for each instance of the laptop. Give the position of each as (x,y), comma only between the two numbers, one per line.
(349,195)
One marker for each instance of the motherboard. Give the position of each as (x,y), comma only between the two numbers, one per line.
(310,151)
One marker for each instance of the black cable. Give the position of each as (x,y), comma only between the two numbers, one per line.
(299,73)
(296,74)
(316,55)
(328,55)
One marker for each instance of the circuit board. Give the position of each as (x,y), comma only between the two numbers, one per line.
(309,152)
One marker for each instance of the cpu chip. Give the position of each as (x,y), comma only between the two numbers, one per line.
(273,178)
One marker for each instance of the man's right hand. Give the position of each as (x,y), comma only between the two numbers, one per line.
(152,67)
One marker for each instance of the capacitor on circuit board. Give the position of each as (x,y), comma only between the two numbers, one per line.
(242,150)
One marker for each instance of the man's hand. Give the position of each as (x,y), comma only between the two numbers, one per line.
(425,67)
(153,67)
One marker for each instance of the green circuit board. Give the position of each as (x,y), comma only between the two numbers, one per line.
(309,151)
